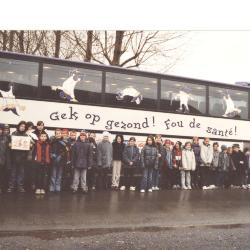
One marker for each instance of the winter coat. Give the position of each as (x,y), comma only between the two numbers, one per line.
(104,154)
(118,150)
(169,159)
(239,160)
(177,154)
(82,154)
(131,154)
(94,154)
(19,156)
(4,146)
(223,162)
(206,155)
(162,152)
(188,160)
(231,163)
(197,153)
(215,160)
(58,151)
(41,153)
(149,157)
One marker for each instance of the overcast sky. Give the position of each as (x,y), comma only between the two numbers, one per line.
(222,56)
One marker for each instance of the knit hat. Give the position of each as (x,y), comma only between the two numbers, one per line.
(223,147)
(236,145)
(105,134)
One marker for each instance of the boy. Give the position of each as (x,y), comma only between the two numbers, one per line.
(41,156)
(104,158)
(223,167)
(81,161)
(214,165)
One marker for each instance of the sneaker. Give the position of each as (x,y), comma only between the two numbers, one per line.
(132,188)
(37,191)
(189,188)
(184,188)
(42,191)
(93,188)
(178,186)
(157,189)
(244,186)
(10,190)
(204,187)
(122,188)
(212,187)
(153,188)
(142,191)
(21,190)
(174,187)
(150,190)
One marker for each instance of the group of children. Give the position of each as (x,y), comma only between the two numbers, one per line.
(64,161)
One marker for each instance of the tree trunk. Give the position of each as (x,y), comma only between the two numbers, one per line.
(5,39)
(89,46)
(21,41)
(11,42)
(118,48)
(57,43)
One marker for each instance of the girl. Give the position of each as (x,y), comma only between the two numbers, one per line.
(188,165)
(195,175)
(118,147)
(167,166)
(177,153)
(149,161)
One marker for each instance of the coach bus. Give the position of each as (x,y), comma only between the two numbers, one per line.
(94,97)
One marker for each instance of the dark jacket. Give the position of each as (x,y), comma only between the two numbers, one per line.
(58,151)
(168,163)
(41,153)
(162,152)
(104,154)
(82,154)
(19,156)
(149,157)
(117,150)
(94,151)
(4,146)
(131,154)
(197,153)
(239,160)
(224,162)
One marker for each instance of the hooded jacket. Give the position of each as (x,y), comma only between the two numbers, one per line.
(131,154)
(104,154)
(149,157)
(206,154)
(188,160)
(82,154)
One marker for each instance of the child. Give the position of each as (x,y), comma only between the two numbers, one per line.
(91,174)
(232,169)
(104,159)
(131,158)
(223,167)
(41,156)
(161,156)
(206,161)
(39,129)
(195,175)
(81,161)
(4,145)
(177,154)
(58,159)
(118,147)
(149,161)
(214,165)
(19,158)
(239,162)
(188,164)
(167,168)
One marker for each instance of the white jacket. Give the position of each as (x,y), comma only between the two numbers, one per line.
(188,160)
(206,154)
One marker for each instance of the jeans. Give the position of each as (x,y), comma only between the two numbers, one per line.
(56,177)
(129,179)
(185,178)
(147,178)
(116,173)
(80,175)
(175,176)
(221,178)
(40,175)
(17,175)
(205,176)
(156,177)
(213,177)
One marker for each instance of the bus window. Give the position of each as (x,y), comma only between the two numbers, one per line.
(18,77)
(228,103)
(130,91)
(71,84)
(183,97)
